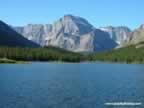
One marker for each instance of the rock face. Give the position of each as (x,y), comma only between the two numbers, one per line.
(118,34)
(37,32)
(70,32)
(9,37)
(135,37)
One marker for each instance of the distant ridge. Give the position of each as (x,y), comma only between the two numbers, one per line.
(9,37)
(70,32)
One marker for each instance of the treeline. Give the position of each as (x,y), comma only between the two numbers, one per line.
(129,54)
(39,54)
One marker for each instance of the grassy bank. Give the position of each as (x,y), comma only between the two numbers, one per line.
(5,60)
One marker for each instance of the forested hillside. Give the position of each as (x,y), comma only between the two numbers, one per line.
(130,54)
(38,54)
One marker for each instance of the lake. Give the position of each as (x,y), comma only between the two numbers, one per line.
(63,85)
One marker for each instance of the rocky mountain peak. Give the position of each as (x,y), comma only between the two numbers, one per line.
(74,25)
(72,33)
(142,27)
(68,16)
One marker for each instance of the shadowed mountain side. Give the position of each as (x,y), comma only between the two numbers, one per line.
(9,37)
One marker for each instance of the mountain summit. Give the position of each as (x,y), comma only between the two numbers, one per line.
(75,25)
(69,32)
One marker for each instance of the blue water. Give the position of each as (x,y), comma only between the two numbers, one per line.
(85,85)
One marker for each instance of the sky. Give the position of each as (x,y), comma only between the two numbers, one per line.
(98,12)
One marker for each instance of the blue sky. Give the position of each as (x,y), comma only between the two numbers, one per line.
(98,12)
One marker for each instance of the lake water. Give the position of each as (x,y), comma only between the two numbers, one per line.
(85,85)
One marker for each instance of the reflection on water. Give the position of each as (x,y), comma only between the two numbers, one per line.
(86,85)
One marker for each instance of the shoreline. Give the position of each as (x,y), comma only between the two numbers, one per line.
(9,61)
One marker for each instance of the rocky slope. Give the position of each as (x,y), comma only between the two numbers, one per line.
(118,34)
(135,38)
(9,37)
(70,32)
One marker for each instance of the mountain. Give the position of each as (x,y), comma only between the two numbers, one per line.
(9,37)
(130,50)
(135,37)
(70,32)
(35,32)
(118,34)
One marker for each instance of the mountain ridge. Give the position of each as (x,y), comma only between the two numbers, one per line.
(67,33)
(76,34)
(135,37)
(9,37)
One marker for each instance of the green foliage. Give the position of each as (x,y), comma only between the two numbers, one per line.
(5,60)
(38,54)
(128,55)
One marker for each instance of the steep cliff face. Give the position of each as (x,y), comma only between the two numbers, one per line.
(135,37)
(70,32)
(35,32)
(118,34)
